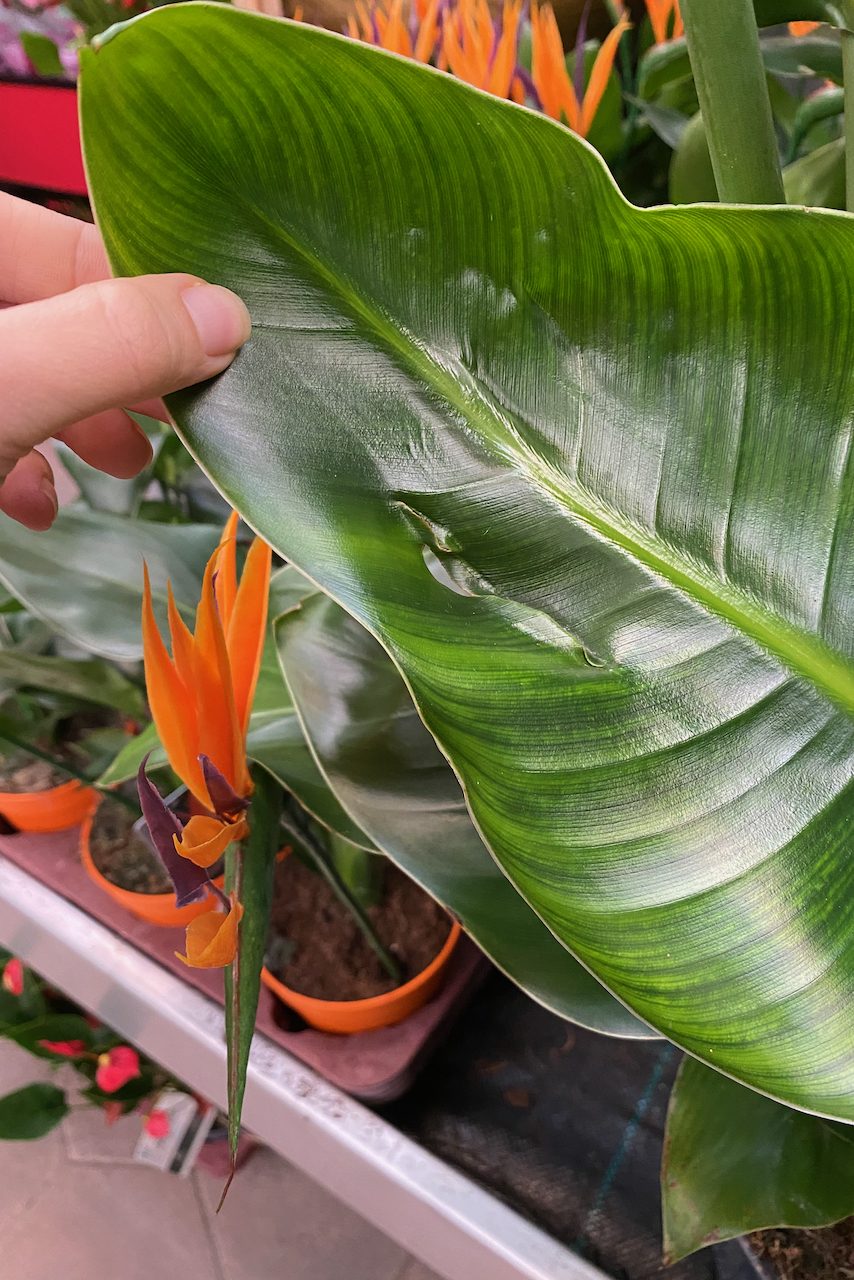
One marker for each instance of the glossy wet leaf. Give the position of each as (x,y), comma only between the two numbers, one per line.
(84,575)
(735,1161)
(389,774)
(625,432)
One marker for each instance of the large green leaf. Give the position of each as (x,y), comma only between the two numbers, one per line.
(84,575)
(625,431)
(389,774)
(92,679)
(735,1162)
(31,1112)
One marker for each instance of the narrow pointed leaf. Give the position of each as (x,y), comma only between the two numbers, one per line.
(735,1161)
(93,680)
(249,869)
(627,433)
(389,774)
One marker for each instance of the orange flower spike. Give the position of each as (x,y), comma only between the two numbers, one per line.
(212,938)
(248,629)
(428,33)
(802,28)
(504,63)
(204,840)
(600,74)
(219,731)
(366,24)
(549,69)
(396,37)
(172,703)
(226,571)
(182,645)
(659,16)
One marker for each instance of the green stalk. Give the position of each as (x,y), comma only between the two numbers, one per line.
(323,866)
(848,89)
(723,43)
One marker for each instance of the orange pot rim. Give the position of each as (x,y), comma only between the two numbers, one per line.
(73,784)
(156,899)
(370,1003)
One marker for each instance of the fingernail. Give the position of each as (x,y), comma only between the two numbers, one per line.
(46,486)
(221,319)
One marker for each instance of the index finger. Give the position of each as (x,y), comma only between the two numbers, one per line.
(45,253)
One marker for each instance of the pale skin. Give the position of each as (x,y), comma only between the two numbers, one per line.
(77,348)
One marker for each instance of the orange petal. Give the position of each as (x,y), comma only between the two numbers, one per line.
(396,36)
(504,62)
(204,840)
(248,629)
(212,939)
(297,14)
(602,68)
(172,703)
(226,571)
(219,732)
(549,69)
(428,33)
(802,28)
(352,28)
(182,644)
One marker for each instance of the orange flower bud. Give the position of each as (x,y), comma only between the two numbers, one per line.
(212,939)
(205,840)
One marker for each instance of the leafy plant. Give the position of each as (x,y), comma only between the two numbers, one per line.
(581,469)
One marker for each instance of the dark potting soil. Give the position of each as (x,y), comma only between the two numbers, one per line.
(825,1254)
(121,857)
(331,959)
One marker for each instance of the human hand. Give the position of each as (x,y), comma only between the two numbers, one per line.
(74,344)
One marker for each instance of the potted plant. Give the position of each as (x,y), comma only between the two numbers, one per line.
(570,462)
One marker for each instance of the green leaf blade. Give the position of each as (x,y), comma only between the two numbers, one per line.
(735,1161)
(627,434)
(31,1112)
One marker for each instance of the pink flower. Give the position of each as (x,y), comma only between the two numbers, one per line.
(157,1124)
(116,1068)
(13,977)
(112,1112)
(65,1048)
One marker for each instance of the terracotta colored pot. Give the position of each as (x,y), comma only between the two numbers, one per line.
(345,1017)
(156,908)
(56,809)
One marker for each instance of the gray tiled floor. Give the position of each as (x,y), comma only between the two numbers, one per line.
(75,1205)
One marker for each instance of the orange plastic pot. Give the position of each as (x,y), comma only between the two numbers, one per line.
(344,1017)
(53,810)
(156,908)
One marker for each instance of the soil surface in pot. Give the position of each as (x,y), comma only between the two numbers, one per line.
(21,775)
(120,856)
(826,1253)
(330,959)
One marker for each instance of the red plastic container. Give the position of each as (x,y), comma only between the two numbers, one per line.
(40,137)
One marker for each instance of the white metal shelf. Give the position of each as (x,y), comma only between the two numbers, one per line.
(434,1211)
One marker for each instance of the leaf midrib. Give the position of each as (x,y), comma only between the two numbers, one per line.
(802,652)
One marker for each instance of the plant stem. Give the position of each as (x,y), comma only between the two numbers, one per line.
(327,871)
(5,736)
(723,43)
(848,89)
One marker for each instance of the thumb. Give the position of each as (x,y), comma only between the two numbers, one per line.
(108,344)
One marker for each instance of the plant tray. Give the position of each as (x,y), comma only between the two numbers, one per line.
(375,1066)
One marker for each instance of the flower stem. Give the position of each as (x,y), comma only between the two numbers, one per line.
(723,43)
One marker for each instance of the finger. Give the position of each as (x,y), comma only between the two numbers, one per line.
(28,494)
(115,342)
(45,252)
(110,441)
(151,409)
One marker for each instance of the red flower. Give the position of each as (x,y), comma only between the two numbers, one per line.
(65,1048)
(13,978)
(157,1124)
(116,1068)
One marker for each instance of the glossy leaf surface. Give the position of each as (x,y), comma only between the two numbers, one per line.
(84,575)
(735,1161)
(92,679)
(389,774)
(31,1112)
(626,432)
